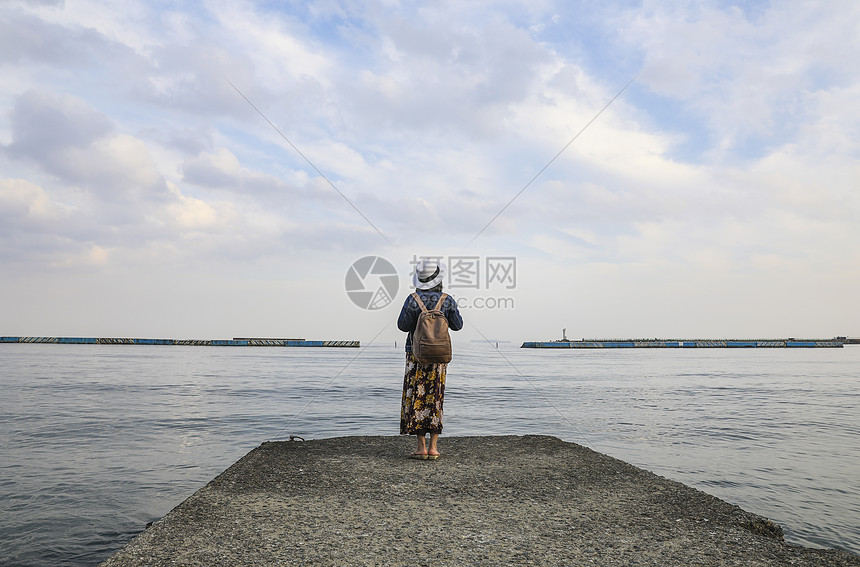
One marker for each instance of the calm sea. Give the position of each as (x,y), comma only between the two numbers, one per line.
(96,441)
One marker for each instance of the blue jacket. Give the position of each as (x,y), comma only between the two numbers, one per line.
(409,313)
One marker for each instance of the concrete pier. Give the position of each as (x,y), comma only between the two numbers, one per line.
(532,500)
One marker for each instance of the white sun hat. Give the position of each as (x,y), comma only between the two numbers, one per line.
(428,273)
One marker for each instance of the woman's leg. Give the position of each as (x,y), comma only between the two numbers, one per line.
(422,447)
(434,450)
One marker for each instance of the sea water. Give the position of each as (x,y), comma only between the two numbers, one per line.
(98,440)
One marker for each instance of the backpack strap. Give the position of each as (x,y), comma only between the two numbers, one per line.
(418,301)
(421,303)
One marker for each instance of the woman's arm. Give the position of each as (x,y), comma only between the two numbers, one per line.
(455,321)
(408,317)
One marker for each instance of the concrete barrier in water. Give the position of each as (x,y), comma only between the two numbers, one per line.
(687,343)
(180,342)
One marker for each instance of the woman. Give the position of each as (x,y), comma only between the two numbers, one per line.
(424,384)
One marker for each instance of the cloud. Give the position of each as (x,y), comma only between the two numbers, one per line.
(745,75)
(107,201)
(81,147)
(45,122)
(37,231)
(26,205)
(191,213)
(25,38)
(443,79)
(220,169)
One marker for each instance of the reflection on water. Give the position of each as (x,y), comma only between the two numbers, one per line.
(99,440)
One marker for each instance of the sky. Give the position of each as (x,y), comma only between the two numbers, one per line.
(213,169)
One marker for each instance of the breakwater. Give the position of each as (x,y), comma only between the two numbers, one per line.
(697,343)
(240,342)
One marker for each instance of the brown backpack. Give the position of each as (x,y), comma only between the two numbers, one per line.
(431,343)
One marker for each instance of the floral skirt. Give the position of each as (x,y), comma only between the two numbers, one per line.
(423,394)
